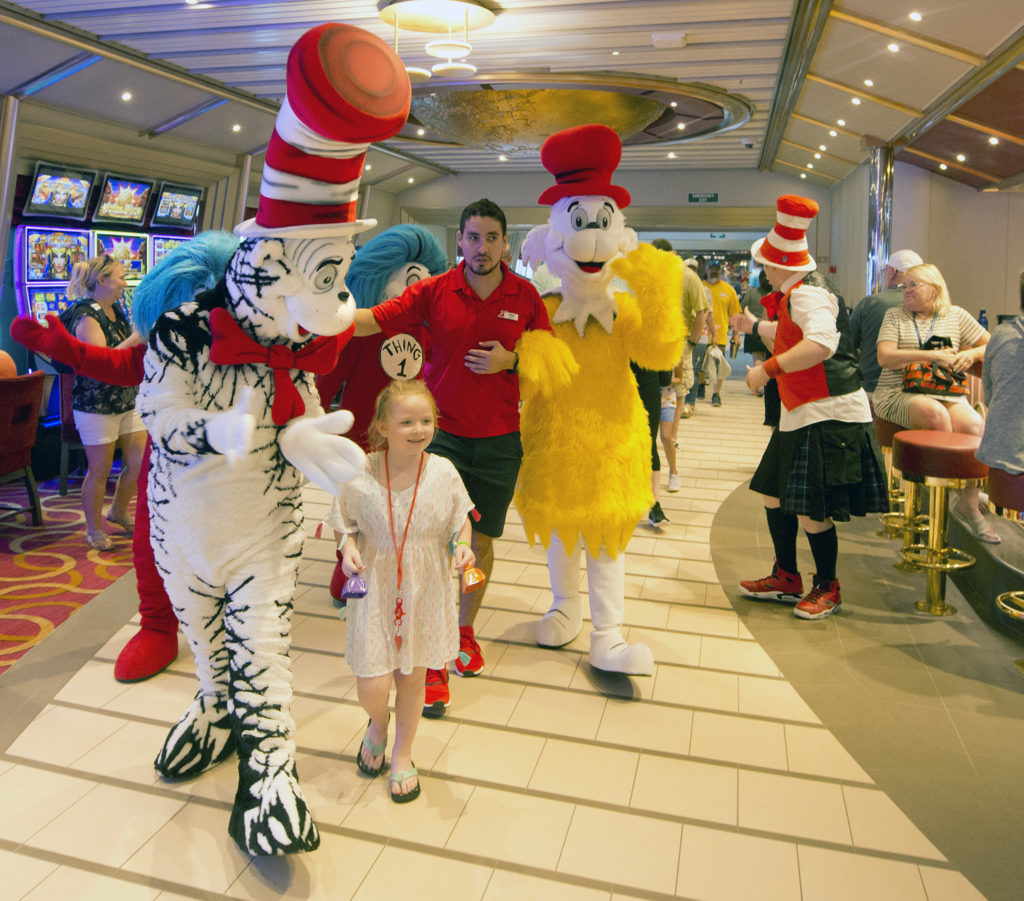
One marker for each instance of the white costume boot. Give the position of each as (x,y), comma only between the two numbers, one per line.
(606,579)
(562,623)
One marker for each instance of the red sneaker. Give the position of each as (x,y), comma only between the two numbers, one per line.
(470,661)
(437,697)
(820,602)
(779,586)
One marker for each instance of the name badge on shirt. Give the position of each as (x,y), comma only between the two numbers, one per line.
(507,314)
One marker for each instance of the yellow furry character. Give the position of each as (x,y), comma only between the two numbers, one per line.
(586,475)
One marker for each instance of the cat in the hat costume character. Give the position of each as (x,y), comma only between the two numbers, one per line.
(235,421)
(822,463)
(586,475)
(383,267)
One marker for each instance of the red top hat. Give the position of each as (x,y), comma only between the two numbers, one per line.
(345,89)
(786,245)
(582,159)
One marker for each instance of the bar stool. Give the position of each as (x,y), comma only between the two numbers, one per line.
(941,460)
(1006,497)
(908,521)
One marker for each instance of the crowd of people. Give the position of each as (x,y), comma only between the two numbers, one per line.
(444,438)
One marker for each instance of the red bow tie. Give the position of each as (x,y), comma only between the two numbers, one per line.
(232,346)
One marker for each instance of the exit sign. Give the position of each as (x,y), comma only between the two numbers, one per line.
(704,198)
(717,234)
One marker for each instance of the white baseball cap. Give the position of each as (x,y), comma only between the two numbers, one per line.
(902,260)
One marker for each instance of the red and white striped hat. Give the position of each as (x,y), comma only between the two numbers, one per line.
(345,89)
(786,245)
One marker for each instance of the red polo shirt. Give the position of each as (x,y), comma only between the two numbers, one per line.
(470,405)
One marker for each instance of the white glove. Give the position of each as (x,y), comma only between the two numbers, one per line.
(314,446)
(231,433)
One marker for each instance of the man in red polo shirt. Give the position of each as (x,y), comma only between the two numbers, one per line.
(475,314)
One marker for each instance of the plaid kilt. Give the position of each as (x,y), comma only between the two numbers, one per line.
(827,470)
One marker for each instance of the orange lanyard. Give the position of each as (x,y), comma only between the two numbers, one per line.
(400,549)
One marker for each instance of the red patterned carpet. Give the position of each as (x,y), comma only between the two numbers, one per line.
(47,572)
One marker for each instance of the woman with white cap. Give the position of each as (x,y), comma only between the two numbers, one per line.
(822,463)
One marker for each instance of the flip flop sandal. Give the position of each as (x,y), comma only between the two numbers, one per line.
(396,780)
(372,750)
(124,521)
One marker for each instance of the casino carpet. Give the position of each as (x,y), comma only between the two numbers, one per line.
(47,572)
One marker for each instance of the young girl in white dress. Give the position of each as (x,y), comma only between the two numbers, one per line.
(398,519)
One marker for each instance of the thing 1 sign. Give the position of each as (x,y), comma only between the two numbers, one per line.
(704,198)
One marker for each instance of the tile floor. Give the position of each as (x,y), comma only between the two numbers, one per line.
(714,779)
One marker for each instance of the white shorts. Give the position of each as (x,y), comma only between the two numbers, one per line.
(106,428)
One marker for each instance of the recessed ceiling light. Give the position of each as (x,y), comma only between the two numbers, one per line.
(868,83)
(803,175)
(943,166)
(833,133)
(236,127)
(680,126)
(855,101)
(840,122)
(411,179)
(894,47)
(126,96)
(367,167)
(993,141)
(674,104)
(503,158)
(915,17)
(615,53)
(960,158)
(671,155)
(421,131)
(822,147)
(810,165)
(817,156)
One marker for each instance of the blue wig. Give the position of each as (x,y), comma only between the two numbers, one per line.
(189,268)
(379,257)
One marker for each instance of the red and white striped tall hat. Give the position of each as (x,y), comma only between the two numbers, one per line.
(786,245)
(345,89)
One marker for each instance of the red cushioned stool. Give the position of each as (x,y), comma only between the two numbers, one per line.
(942,460)
(1006,497)
(906,522)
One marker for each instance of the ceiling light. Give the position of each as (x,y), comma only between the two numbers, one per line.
(126,96)
(803,175)
(960,158)
(615,53)
(367,167)
(943,166)
(674,104)
(810,165)
(411,179)
(832,133)
(822,147)
(868,83)
(436,16)
(671,155)
(894,47)
(453,68)
(680,125)
(421,131)
(236,127)
(993,141)
(855,101)
(840,122)
(915,17)
(817,156)
(503,158)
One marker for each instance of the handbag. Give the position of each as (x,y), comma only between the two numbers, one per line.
(929,377)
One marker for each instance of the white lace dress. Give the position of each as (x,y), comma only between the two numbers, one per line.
(430,626)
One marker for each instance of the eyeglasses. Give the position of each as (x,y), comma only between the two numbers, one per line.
(908,285)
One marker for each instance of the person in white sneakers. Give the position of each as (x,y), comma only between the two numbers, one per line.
(822,463)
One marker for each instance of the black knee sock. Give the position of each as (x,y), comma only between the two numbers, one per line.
(783,528)
(825,550)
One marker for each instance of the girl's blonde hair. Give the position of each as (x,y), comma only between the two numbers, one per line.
(392,393)
(85,275)
(928,274)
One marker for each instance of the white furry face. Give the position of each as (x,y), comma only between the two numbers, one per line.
(292,287)
(403,276)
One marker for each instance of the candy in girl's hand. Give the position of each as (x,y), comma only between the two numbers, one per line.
(472,579)
(355,587)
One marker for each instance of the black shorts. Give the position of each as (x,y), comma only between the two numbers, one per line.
(489,468)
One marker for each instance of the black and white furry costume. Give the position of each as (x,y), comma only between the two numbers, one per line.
(225,501)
